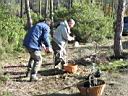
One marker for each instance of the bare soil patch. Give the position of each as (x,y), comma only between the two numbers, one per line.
(58,83)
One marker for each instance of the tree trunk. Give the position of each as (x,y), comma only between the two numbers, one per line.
(92,1)
(112,8)
(5,1)
(51,15)
(104,9)
(46,8)
(40,7)
(31,3)
(69,4)
(56,4)
(109,9)
(118,29)
(51,9)
(21,8)
(29,19)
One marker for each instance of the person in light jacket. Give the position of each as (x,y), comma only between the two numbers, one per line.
(61,36)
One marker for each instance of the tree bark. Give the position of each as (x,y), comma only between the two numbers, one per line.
(29,19)
(56,4)
(92,1)
(70,4)
(46,8)
(51,9)
(40,8)
(118,29)
(21,8)
(51,15)
(112,8)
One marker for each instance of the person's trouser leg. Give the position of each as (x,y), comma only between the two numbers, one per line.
(37,63)
(30,64)
(62,57)
(56,50)
(59,54)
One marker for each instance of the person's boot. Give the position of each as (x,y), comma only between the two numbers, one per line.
(28,72)
(57,61)
(62,63)
(33,77)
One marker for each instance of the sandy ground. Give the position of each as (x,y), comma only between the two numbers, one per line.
(58,83)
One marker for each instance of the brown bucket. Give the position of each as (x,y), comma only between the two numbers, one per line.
(91,91)
(71,68)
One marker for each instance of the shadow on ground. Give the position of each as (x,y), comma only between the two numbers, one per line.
(14,73)
(59,94)
(48,64)
(124,56)
(125,44)
(82,61)
(14,66)
(51,72)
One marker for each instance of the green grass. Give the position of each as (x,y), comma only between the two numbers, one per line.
(114,65)
(4,78)
(6,93)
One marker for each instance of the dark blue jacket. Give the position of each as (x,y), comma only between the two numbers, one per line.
(37,35)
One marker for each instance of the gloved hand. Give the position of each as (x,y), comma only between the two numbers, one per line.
(73,38)
(48,50)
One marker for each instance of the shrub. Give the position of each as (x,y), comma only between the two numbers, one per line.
(11,31)
(91,24)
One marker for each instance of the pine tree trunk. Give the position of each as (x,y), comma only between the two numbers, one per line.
(51,9)
(51,15)
(118,29)
(112,8)
(104,9)
(70,4)
(46,8)
(92,1)
(29,19)
(21,8)
(40,7)
(57,4)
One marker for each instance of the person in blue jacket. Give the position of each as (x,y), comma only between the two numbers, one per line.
(36,39)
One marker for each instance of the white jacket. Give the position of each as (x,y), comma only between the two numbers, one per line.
(62,34)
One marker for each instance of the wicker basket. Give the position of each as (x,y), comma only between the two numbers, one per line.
(92,91)
(71,68)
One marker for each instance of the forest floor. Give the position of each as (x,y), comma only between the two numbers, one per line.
(59,83)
